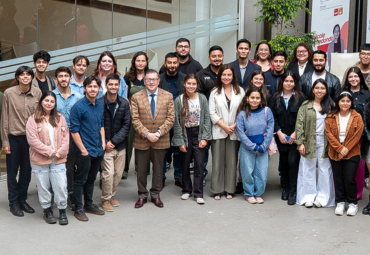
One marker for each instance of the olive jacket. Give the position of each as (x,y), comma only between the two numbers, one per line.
(305,129)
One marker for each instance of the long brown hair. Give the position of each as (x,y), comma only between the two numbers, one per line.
(263,88)
(297,92)
(97,71)
(244,105)
(132,72)
(185,98)
(39,112)
(234,82)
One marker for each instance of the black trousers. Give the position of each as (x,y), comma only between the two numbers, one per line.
(289,165)
(344,172)
(193,151)
(18,158)
(87,168)
(70,165)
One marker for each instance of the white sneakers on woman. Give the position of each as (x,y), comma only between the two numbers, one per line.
(352,209)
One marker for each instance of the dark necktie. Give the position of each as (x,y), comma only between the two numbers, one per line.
(152,105)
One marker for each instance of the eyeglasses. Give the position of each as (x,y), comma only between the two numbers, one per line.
(301,52)
(151,80)
(365,54)
(183,47)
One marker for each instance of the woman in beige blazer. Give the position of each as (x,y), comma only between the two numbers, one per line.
(224,101)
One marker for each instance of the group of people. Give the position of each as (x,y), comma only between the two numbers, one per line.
(69,129)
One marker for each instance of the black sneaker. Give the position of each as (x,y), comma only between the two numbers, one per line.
(292,200)
(178,182)
(366,210)
(285,194)
(71,206)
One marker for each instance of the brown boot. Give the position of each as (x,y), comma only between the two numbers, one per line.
(114,202)
(80,215)
(107,206)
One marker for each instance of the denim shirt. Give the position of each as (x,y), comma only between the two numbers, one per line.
(65,106)
(87,120)
(122,91)
(79,88)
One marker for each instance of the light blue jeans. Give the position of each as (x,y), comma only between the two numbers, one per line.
(253,167)
(56,176)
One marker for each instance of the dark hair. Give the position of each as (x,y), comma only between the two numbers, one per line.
(320,52)
(90,79)
(185,104)
(297,92)
(244,105)
(347,86)
(23,69)
(41,54)
(79,58)
(344,94)
(97,71)
(243,41)
(180,40)
(256,58)
(62,69)
(280,53)
(215,47)
(263,88)
(307,47)
(337,25)
(151,71)
(171,55)
(132,72)
(39,112)
(326,103)
(234,82)
(365,46)
(112,76)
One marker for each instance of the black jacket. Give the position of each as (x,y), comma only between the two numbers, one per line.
(285,119)
(294,68)
(117,130)
(360,100)
(251,67)
(272,81)
(207,81)
(164,84)
(305,84)
(190,66)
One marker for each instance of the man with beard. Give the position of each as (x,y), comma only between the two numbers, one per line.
(363,64)
(186,62)
(272,77)
(319,61)
(87,130)
(207,76)
(80,65)
(207,79)
(41,61)
(66,98)
(242,66)
(171,81)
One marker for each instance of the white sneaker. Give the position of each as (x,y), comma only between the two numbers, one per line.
(200,200)
(185,196)
(352,209)
(308,204)
(339,210)
(317,203)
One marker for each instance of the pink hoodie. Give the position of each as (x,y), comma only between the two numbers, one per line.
(39,141)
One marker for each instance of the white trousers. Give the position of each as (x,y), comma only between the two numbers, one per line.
(56,175)
(310,187)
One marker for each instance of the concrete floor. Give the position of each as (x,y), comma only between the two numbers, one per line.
(184,227)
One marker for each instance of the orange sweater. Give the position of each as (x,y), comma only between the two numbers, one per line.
(354,131)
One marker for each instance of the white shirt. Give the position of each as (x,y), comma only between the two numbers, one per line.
(193,119)
(316,77)
(51,135)
(343,122)
(301,68)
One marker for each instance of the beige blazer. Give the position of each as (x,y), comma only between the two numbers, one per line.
(218,110)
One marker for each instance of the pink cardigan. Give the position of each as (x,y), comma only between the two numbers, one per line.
(39,141)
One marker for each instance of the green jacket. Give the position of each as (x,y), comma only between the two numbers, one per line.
(179,134)
(305,129)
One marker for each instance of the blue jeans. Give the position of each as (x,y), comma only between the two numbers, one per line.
(253,167)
